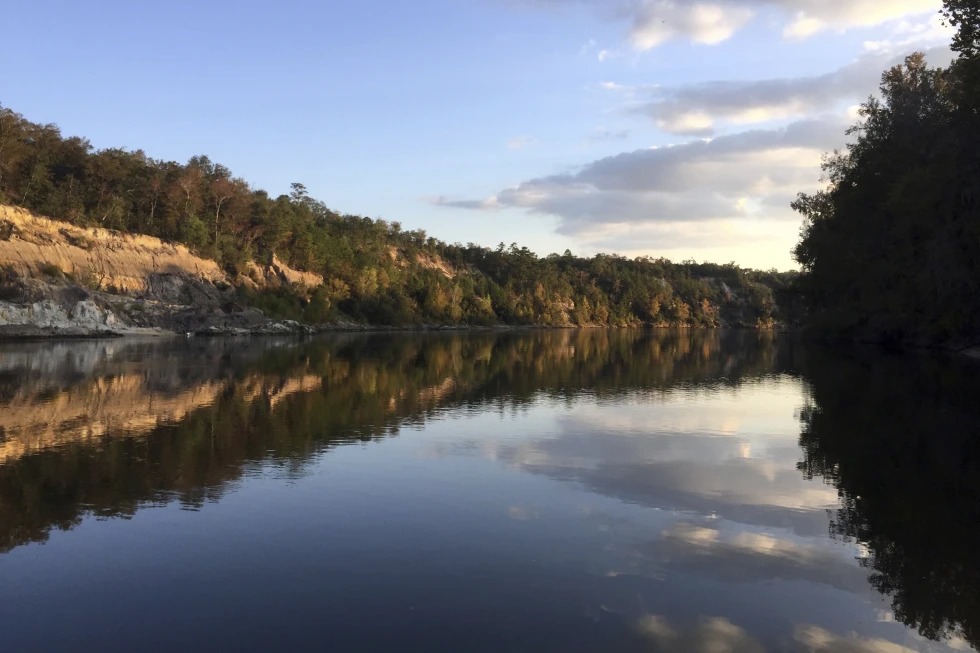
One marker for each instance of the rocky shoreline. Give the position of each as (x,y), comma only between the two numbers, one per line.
(59,308)
(180,306)
(59,280)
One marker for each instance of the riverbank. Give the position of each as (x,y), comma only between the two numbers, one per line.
(56,306)
(62,280)
(59,280)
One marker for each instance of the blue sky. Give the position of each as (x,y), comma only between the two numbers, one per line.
(643,127)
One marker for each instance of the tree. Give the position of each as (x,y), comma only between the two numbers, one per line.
(12,148)
(222,189)
(889,249)
(375,269)
(964,15)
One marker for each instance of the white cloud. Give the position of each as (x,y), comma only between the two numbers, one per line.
(701,180)
(812,16)
(721,191)
(761,244)
(708,22)
(606,55)
(913,33)
(655,23)
(487,204)
(613,86)
(694,123)
(732,193)
(696,109)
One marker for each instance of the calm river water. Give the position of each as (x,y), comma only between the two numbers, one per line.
(498,491)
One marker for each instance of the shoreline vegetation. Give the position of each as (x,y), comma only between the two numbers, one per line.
(63,280)
(889,250)
(40,334)
(144,244)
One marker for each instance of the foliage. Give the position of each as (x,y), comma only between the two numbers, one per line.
(51,270)
(889,250)
(10,287)
(375,271)
(288,304)
(965,16)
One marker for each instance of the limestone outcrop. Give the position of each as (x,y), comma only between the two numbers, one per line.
(58,279)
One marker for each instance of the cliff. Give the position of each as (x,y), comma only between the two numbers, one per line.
(32,246)
(61,279)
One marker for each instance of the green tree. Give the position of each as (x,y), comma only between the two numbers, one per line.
(886,249)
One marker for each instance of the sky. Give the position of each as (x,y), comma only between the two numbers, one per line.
(671,128)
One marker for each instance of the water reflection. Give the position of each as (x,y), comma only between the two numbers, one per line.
(550,490)
(900,440)
(99,427)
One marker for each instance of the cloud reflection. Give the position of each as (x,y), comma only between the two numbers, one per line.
(820,640)
(710,635)
(679,453)
(745,555)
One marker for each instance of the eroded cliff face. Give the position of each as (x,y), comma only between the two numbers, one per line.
(60,279)
(35,247)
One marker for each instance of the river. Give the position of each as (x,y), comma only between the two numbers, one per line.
(594,490)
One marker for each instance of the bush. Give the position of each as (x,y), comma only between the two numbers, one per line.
(10,287)
(51,270)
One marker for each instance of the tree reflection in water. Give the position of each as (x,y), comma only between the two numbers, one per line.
(103,428)
(899,439)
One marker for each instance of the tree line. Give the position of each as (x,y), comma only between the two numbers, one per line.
(374,270)
(890,249)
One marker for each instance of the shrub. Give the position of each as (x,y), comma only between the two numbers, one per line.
(51,270)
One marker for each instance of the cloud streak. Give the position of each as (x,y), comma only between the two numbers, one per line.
(709,22)
(734,176)
(696,109)
(723,189)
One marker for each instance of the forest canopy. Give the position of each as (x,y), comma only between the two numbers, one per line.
(374,271)
(889,250)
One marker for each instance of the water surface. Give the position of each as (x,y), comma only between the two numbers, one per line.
(541,491)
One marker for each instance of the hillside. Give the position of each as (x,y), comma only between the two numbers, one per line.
(31,246)
(60,279)
(131,227)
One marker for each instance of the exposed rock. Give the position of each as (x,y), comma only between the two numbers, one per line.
(85,315)
(99,258)
(33,247)
(58,279)
(278,275)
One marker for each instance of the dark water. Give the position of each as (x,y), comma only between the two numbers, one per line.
(547,491)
